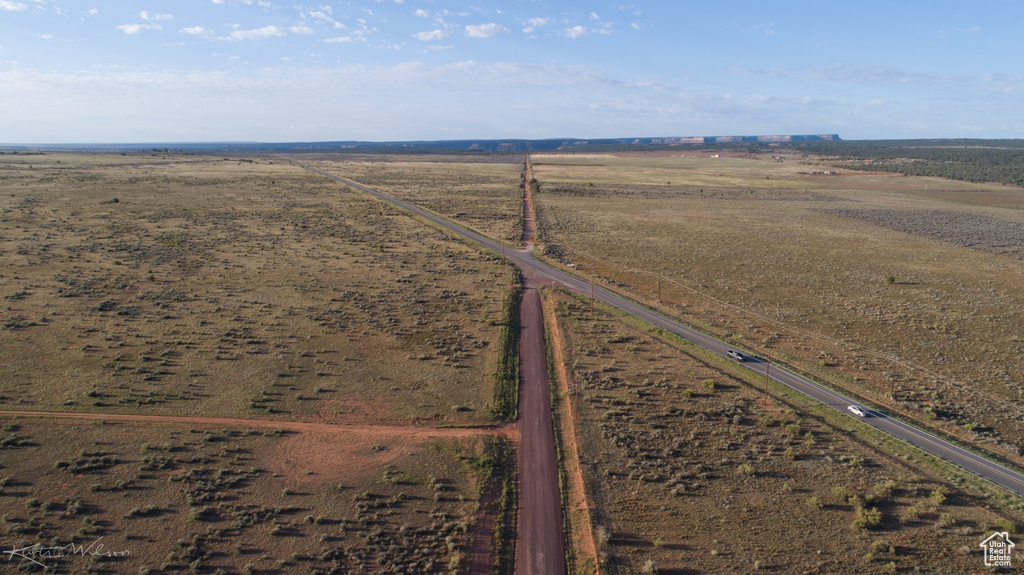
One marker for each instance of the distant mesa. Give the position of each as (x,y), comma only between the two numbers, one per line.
(752,139)
(550,145)
(452,146)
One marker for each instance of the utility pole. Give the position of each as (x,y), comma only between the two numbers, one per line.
(591,298)
(767,367)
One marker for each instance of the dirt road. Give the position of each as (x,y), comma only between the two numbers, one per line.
(528,223)
(413,431)
(540,541)
(539,545)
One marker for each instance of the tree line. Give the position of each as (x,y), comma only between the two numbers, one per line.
(1000,161)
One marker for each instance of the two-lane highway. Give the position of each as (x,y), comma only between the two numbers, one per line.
(924,440)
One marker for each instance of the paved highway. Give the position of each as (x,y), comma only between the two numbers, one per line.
(994,472)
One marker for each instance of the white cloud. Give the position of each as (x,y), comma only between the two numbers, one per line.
(305,30)
(147,16)
(431,36)
(325,14)
(260,3)
(8,6)
(136,28)
(634,26)
(594,16)
(353,39)
(45,36)
(422,13)
(574,32)
(534,23)
(196,31)
(93,11)
(258,33)
(485,30)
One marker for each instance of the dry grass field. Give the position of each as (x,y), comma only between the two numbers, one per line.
(481,192)
(688,471)
(881,283)
(246,288)
(235,288)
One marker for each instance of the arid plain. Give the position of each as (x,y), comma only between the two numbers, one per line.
(246,301)
(255,301)
(903,289)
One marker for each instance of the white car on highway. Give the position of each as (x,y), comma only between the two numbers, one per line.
(857,410)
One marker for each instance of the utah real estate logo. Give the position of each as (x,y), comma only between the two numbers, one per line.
(998,548)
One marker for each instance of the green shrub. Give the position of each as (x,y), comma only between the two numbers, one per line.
(1006,525)
(506,379)
(867,518)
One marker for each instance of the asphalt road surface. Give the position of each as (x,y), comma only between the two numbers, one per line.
(994,472)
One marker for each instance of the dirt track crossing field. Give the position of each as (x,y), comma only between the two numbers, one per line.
(268,424)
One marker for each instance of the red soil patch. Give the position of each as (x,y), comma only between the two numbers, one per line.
(350,459)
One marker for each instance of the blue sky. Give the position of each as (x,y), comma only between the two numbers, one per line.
(270,70)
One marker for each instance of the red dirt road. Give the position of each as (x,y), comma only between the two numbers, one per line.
(506,431)
(540,548)
(528,224)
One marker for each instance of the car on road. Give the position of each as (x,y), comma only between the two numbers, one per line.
(857,410)
(736,355)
